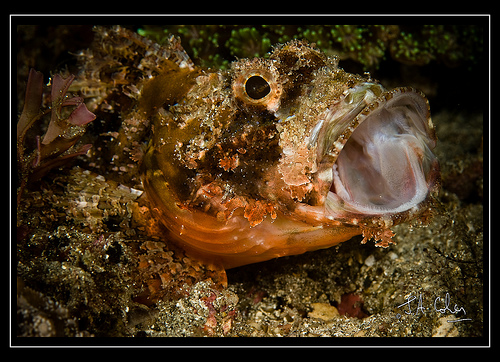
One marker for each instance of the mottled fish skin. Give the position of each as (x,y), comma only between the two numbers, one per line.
(275,156)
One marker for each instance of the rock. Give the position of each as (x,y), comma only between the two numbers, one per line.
(323,311)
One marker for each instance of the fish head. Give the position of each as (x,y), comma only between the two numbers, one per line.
(285,154)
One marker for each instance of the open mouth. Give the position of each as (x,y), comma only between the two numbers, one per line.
(386,164)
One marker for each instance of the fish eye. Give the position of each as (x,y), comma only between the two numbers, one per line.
(256,87)
(256,84)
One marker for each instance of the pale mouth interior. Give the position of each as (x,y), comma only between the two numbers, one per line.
(387,164)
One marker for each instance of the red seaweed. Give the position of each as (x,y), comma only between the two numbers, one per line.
(57,146)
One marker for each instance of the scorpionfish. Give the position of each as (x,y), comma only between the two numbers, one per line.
(274,156)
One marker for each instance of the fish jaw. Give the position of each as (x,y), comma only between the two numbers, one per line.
(379,168)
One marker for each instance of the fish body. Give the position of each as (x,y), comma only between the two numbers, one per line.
(274,156)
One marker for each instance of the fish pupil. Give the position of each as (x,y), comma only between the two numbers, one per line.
(257,87)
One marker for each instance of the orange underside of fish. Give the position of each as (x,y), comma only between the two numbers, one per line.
(233,242)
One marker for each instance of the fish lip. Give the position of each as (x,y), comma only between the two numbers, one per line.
(338,206)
